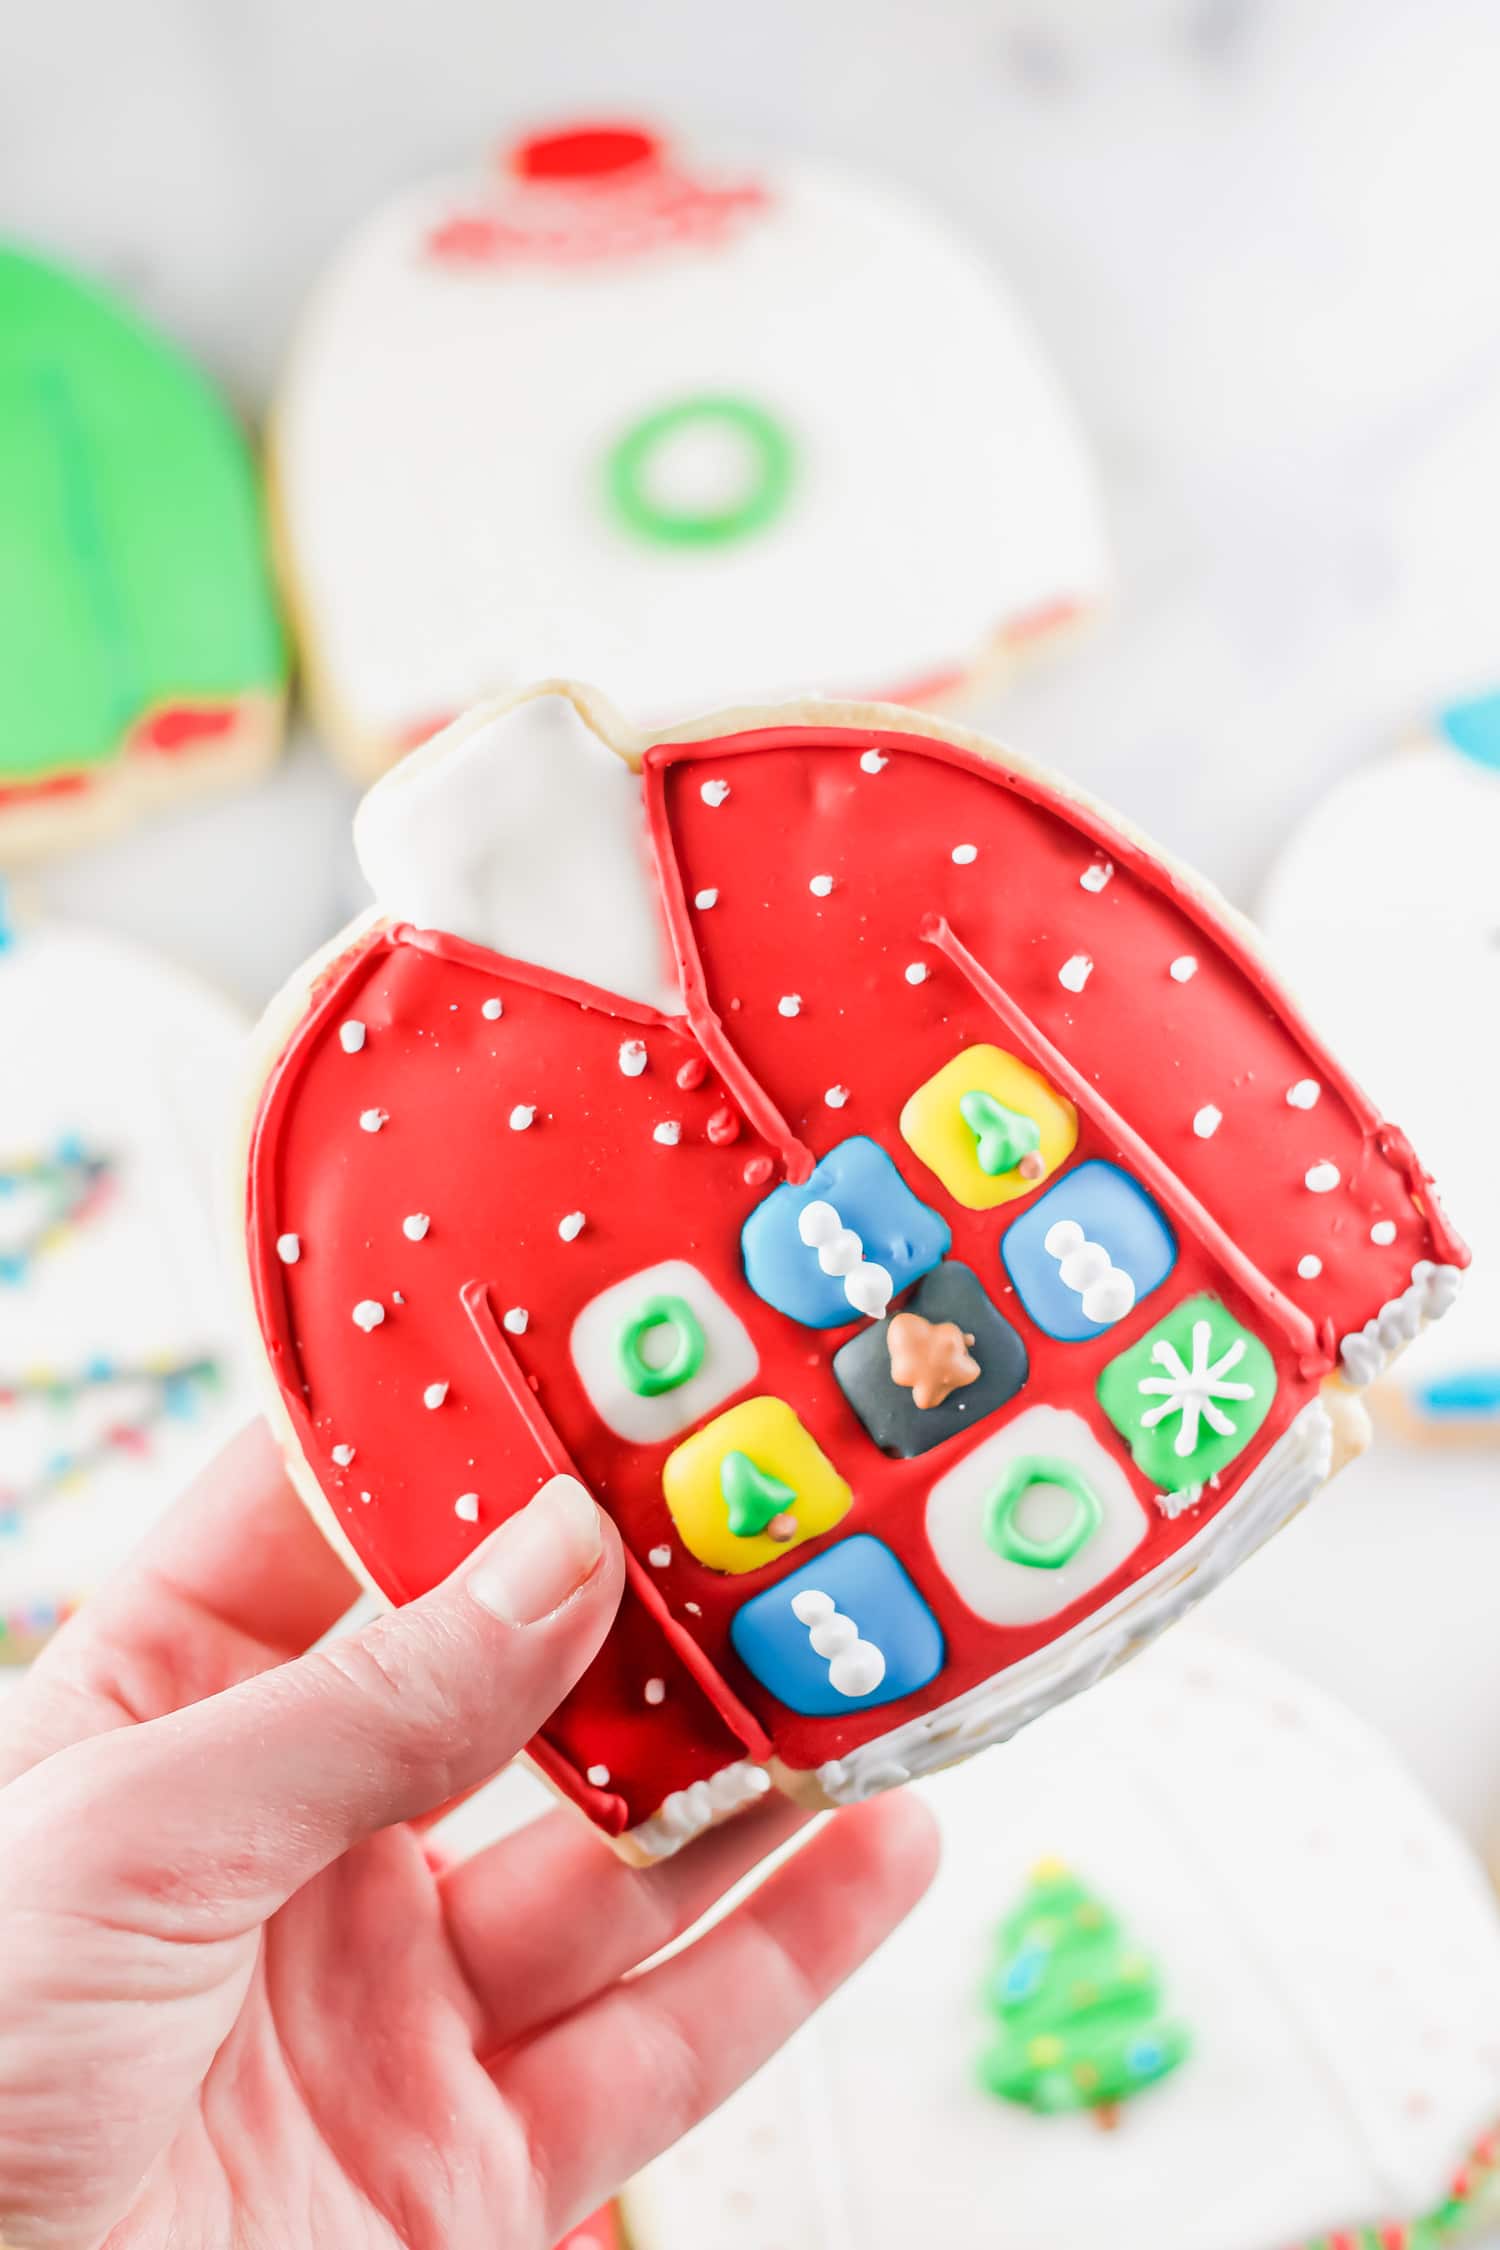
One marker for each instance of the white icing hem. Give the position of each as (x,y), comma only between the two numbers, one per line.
(688,1812)
(1371,1350)
(1299,1462)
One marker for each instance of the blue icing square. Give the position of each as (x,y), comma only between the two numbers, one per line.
(879,1639)
(896,1230)
(1095,1240)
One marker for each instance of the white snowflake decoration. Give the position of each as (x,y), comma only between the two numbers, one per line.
(1194,1392)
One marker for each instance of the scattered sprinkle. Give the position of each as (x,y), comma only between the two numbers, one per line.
(668,1132)
(343,1454)
(597,1777)
(1075,973)
(1309,1267)
(790,1004)
(659,1557)
(415,1226)
(1184,967)
(366,1497)
(706,899)
(1095,877)
(1208,1121)
(351,1036)
(1304,1094)
(397,1298)
(632,1057)
(289,1248)
(571,1227)
(516,1321)
(521,1116)
(368,1314)
(714,792)
(916,972)
(492,1010)
(821,885)
(1383,1232)
(836,1096)
(694,1609)
(656,1691)
(873,761)
(371,1120)
(1322,1178)
(691,1074)
(434,1395)
(466,1507)
(964,855)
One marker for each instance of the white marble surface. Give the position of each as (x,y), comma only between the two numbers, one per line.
(1258,236)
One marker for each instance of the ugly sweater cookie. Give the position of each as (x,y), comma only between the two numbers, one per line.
(900,1196)
(632,409)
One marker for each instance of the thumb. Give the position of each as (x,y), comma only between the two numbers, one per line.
(213,1816)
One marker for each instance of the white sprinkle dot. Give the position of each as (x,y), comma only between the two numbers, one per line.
(714,792)
(1075,972)
(656,1691)
(466,1507)
(343,1454)
(516,1321)
(492,1010)
(964,855)
(597,1777)
(1208,1121)
(1094,878)
(368,1314)
(1383,1232)
(351,1036)
(790,1004)
(668,1132)
(571,1227)
(694,1609)
(1309,1267)
(414,1226)
(397,1298)
(434,1395)
(706,899)
(521,1116)
(821,885)
(836,1096)
(873,761)
(916,972)
(1321,1178)
(371,1120)
(1184,968)
(366,1497)
(1304,1094)
(632,1057)
(289,1248)
(659,1557)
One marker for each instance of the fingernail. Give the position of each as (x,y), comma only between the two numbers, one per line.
(531,1565)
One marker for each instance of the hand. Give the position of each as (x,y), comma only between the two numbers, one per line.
(240,2005)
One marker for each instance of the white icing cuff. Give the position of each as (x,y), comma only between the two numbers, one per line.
(1368,1353)
(688,1812)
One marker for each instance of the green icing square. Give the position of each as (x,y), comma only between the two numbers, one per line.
(1237,1387)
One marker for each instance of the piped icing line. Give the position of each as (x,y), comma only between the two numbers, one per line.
(840,1252)
(686,1813)
(1368,1353)
(1142,1157)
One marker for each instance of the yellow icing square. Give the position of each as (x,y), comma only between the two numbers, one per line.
(765,1434)
(934,1127)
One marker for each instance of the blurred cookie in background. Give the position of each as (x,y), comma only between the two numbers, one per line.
(1384,914)
(118,1375)
(714,428)
(140,651)
(1201,1969)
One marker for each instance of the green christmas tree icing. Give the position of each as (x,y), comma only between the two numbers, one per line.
(1079,2019)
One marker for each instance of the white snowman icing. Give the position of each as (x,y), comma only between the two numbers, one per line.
(1384,912)
(477,366)
(1329,1944)
(118,1369)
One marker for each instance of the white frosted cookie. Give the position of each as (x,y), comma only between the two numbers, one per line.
(1326,1965)
(1384,911)
(118,1374)
(706,427)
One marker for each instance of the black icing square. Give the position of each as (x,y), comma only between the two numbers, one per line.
(887,1408)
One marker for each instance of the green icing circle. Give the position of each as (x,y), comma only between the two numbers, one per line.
(661,1312)
(765,494)
(1003,1533)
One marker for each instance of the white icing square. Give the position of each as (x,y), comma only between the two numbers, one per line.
(729,1358)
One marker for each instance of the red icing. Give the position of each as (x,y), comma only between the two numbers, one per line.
(584,152)
(599,2232)
(182,726)
(1137,1052)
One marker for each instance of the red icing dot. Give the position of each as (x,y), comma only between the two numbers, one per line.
(180,724)
(584,152)
(723,1127)
(757,1171)
(692,1074)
